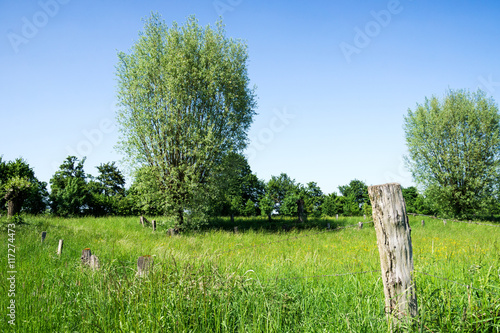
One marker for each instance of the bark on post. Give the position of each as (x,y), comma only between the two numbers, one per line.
(86,254)
(143,265)
(396,254)
(60,247)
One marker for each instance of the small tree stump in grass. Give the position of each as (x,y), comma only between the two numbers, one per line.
(173,231)
(360,225)
(396,253)
(423,223)
(143,265)
(86,254)
(44,234)
(60,247)
(94,262)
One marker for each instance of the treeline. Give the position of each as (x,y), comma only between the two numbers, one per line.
(234,191)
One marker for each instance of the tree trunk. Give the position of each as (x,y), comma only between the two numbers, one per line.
(395,249)
(232,218)
(300,210)
(14,202)
(180,216)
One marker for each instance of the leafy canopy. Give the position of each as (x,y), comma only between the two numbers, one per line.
(185,103)
(454,150)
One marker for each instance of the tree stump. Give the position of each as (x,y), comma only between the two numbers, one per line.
(60,247)
(143,265)
(396,253)
(173,231)
(94,262)
(86,254)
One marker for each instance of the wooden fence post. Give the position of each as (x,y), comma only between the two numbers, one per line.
(336,216)
(444,222)
(423,223)
(44,234)
(235,230)
(154,224)
(360,225)
(86,254)
(143,265)
(60,247)
(396,254)
(328,226)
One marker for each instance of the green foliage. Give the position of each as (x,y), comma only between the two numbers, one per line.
(332,205)
(145,193)
(69,194)
(249,209)
(17,176)
(279,187)
(289,206)
(313,199)
(454,150)
(266,205)
(185,104)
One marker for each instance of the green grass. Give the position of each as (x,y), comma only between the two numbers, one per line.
(261,279)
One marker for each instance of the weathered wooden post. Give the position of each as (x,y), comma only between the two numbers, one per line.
(44,234)
(60,247)
(86,254)
(444,222)
(235,230)
(337,216)
(423,223)
(94,262)
(328,226)
(154,224)
(143,265)
(396,254)
(360,225)
(364,216)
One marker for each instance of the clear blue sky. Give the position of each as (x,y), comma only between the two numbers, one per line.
(334,78)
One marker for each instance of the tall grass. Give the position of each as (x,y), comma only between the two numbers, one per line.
(261,279)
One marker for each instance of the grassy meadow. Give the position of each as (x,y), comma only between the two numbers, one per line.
(261,279)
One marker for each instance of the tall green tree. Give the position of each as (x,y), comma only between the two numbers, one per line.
(69,193)
(106,190)
(185,103)
(454,150)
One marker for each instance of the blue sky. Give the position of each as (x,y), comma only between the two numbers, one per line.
(334,78)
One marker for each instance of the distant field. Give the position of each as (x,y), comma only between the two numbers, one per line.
(258,280)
